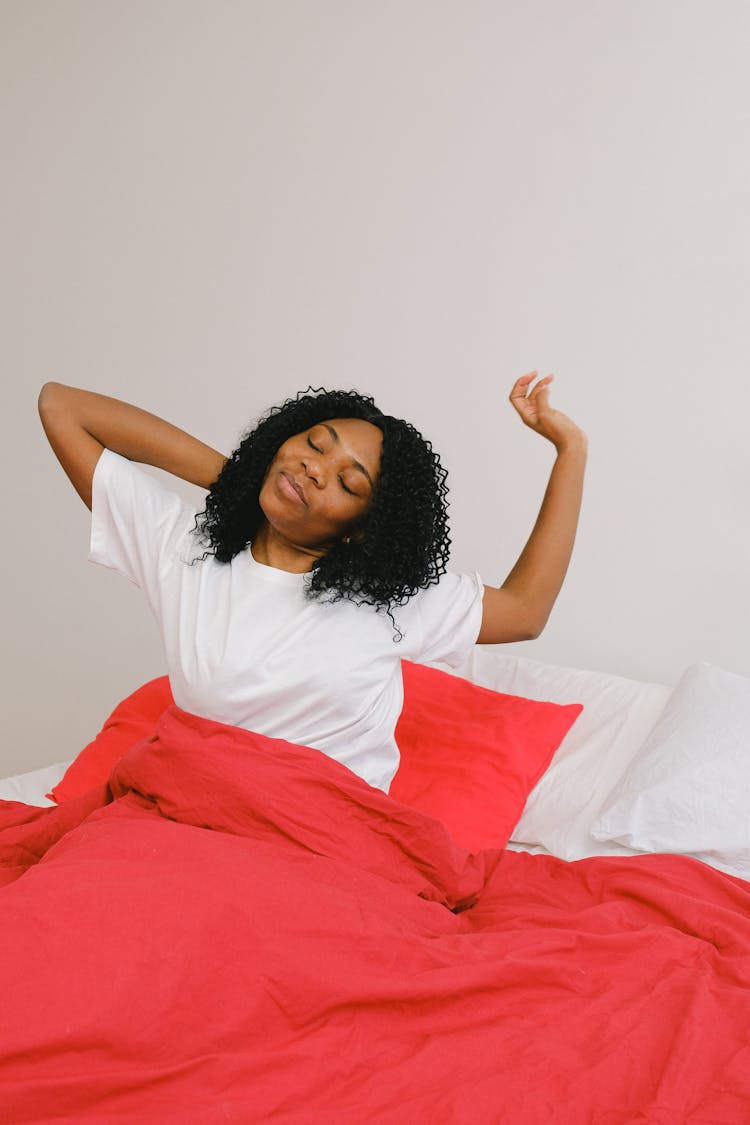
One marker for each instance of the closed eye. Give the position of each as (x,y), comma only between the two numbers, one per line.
(341,479)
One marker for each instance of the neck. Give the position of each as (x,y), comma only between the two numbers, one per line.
(271,549)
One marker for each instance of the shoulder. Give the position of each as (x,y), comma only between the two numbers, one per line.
(452,586)
(442,621)
(115,476)
(113,467)
(127,495)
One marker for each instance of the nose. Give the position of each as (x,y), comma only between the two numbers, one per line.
(314,469)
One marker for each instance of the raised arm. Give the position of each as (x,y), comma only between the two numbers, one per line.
(80,424)
(518,610)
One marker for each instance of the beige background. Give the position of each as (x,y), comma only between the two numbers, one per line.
(210,205)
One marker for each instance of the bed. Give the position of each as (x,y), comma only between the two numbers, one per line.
(547,920)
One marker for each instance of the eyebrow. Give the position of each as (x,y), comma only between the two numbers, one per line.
(357,464)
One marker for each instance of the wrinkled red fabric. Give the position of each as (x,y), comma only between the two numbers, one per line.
(239,929)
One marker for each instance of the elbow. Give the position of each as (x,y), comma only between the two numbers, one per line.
(535,629)
(47,397)
(531,621)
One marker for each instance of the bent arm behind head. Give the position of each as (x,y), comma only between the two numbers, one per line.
(80,424)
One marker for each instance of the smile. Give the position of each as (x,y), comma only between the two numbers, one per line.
(290,488)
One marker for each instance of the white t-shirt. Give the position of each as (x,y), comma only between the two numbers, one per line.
(245,646)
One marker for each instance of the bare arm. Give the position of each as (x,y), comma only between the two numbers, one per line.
(519,609)
(80,424)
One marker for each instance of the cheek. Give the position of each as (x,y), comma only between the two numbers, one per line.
(274,462)
(264,497)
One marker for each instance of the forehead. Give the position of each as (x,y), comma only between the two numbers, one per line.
(355,435)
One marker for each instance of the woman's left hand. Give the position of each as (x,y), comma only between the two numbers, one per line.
(536,412)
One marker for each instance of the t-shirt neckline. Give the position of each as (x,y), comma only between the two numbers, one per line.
(273,573)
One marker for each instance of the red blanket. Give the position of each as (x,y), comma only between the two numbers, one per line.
(241,930)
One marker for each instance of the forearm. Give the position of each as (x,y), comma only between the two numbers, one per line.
(538,575)
(136,434)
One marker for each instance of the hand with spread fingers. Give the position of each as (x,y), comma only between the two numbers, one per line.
(532,404)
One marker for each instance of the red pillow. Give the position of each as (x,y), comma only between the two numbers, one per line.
(471,756)
(133,719)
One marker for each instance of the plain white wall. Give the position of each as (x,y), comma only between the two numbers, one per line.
(210,205)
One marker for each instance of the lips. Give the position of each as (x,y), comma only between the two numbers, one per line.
(290,486)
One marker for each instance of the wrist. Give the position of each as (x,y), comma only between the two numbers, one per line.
(574,444)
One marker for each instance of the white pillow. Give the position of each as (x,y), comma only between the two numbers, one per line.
(31,787)
(617,715)
(688,788)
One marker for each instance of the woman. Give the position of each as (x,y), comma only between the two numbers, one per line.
(324,562)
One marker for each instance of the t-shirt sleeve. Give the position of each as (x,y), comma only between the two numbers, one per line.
(136,523)
(442,623)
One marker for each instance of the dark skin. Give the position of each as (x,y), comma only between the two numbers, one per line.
(335,466)
(337,479)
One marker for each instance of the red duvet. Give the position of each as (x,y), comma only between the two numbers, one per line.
(241,930)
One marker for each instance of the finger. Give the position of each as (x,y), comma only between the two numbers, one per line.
(541,387)
(537,403)
(541,392)
(521,386)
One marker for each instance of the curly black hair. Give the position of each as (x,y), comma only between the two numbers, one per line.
(403,545)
